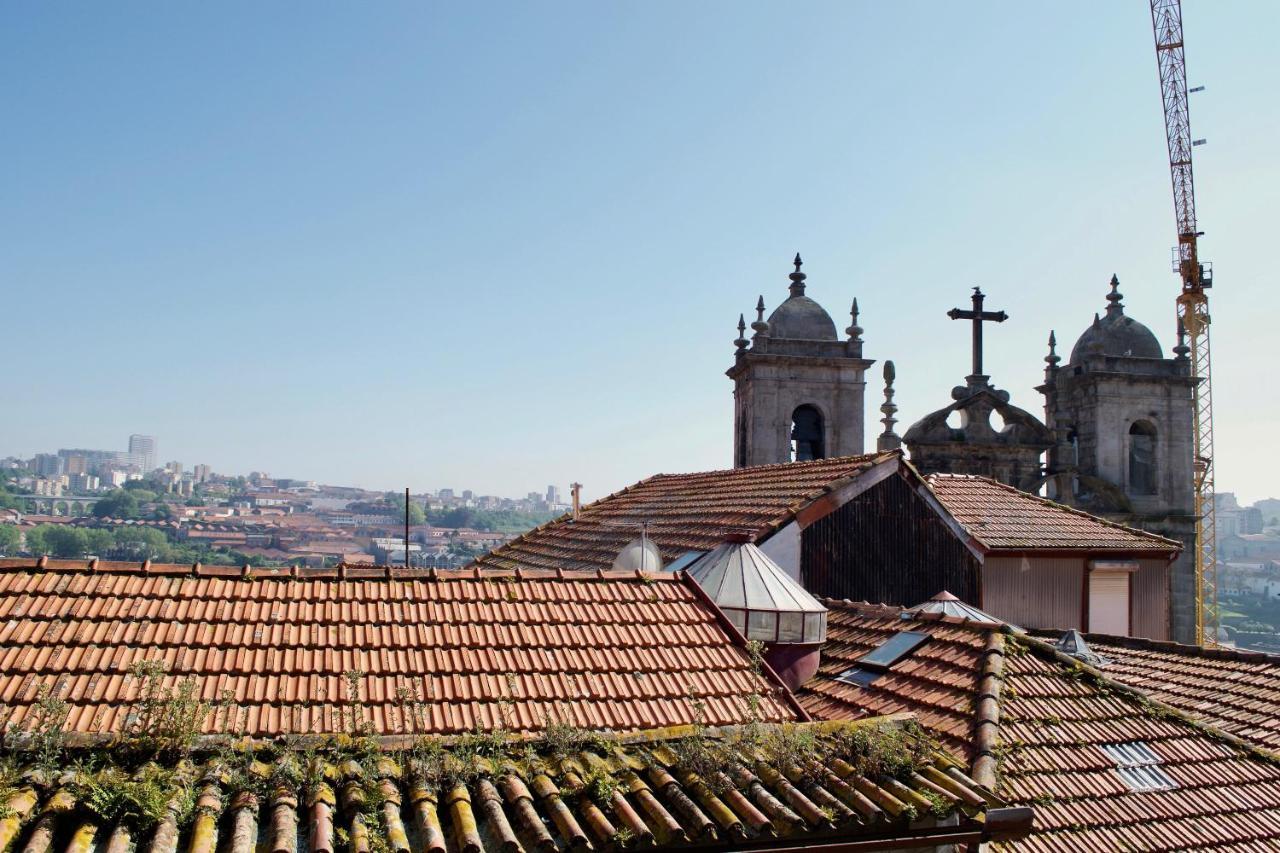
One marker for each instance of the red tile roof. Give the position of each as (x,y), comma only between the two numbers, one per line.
(937,683)
(684,512)
(1002,518)
(596,794)
(477,647)
(1234,690)
(1054,716)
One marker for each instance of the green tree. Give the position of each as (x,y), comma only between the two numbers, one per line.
(396,502)
(144,543)
(118,504)
(162,512)
(99,542)
(66,541)
(10,537)
(36,541)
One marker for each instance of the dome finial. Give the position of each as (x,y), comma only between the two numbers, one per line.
(741,342)
(760,327)
(888,440)
(1181,349)
(797,278)
(1052,358)
(854,331)
(1114,305)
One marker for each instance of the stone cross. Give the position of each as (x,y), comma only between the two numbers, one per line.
(978,316)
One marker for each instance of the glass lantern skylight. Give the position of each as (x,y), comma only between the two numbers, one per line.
(758,597)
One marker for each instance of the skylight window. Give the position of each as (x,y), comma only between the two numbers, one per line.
(858,677)
(884,656)
(1139,766)
(881,659)
(684,560)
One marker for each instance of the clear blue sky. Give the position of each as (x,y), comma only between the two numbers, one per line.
(498,246)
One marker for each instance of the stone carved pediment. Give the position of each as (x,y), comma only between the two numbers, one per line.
(975,405)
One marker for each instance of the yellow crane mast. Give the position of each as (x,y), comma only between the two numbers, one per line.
(1193,301)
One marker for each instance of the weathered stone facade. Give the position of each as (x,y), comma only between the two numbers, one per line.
(1122,417)
(1009,452)
(798,389)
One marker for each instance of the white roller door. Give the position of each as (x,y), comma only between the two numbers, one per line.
(1109,603)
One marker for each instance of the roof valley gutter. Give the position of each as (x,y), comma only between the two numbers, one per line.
(739,639)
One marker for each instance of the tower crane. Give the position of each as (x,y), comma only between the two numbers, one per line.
(1193,300)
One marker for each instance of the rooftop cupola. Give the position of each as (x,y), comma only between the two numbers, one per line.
(639,555)
(759,599)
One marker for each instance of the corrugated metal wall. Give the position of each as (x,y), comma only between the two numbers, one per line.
(886,546)
(1034,592)
(1151,600)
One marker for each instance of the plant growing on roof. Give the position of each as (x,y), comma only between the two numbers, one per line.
(139,801)
(560,738)
(164,719)
(43,732)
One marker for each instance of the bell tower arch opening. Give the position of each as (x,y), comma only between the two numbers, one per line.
(1142,458)
(808,434)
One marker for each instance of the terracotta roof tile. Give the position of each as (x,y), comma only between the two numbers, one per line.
(619,651)
(1054,718)
(683,512)
(1234,690)
(1001,517)
(599,795)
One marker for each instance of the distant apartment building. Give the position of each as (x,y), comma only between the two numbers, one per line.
(553,494)
(47,465)
(201,473)
(445,494)
(81,482)
(47,487)
(142,452)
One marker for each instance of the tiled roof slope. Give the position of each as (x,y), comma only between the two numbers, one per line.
(1001,517)
(684,512)
(1054,717)
(937,684)
(474,648)
(588,795)
(1234,690)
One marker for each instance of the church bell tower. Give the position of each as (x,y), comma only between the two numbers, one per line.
(798,388)
(1122,417)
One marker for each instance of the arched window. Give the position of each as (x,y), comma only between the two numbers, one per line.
(1142,458)
(807,435)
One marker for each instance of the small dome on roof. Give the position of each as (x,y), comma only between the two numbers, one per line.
(640,554)
(799,317)
(1115,334)
(948,606)
(802,318)
(758,596)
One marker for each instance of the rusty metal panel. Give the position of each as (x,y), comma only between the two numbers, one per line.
(1151,600)
(886,546)
(1034,592)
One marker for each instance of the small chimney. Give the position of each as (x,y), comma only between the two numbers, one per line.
(576,489)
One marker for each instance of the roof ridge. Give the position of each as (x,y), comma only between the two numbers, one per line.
(809,463)
(342,571)
(1054,505)
(1185,649)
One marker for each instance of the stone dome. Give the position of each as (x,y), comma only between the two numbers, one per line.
(800,317)
(1116,334)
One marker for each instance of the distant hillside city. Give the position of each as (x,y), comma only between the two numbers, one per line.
(125,505)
